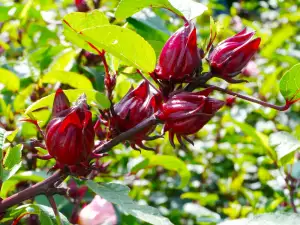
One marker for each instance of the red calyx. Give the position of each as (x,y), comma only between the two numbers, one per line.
(82,6)
(186,113)
(137,105)
(70,134)
(231,55)
(180,56)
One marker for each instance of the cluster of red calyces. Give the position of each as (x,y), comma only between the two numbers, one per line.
(70,133)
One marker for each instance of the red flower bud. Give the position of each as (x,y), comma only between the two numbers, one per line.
(61,103)
(230,101)
(186,113)
(180,56)
(231,55)
(82,6)
(137,105)
(70,134)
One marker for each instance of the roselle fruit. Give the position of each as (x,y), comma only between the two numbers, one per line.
(137,105)
(180,56)
(81,5)
(186,113)
(230,56)
(70,133)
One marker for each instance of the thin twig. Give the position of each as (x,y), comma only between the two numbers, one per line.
(55,210)
(248,98)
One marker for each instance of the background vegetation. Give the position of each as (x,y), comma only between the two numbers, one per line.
(243,163)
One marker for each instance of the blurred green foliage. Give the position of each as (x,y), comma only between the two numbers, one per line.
(244,162)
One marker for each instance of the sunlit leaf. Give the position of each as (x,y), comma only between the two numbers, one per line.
(9,80)
(72,79)
(124,44)
(13,156)
(63,61)
(285,145)
(77,21)
(188,8)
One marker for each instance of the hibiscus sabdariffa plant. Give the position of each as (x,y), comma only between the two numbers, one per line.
(169,99)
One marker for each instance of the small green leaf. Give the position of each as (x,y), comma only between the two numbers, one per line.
(290,84)
(141,165)
(45,213)
(127,8)
(20,100)
(13,156)
(285,145)
(77,21)
(9,80)
(124,44)
(92,96)
(188,8)
(296,170)
(72,79)
(63,61)
(118,194)
(172,163)
(7,174)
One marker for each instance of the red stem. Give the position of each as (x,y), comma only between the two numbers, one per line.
(250,99)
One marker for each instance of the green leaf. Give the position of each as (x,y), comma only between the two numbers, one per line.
(259,138)
(124,44)
(188,8)
(290,84)
(74,80)
(172,163)
(9,80)
(284,144)
(118,194)
(77,21)
(296,170)
(92,97)
(63,61)
(13,156)
(20,100)
(45,213)
(34,176)
(7,174)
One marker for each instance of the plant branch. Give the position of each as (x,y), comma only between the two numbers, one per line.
(46,187)
(128,134)
(55,210)
(199,82)
(248,98)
